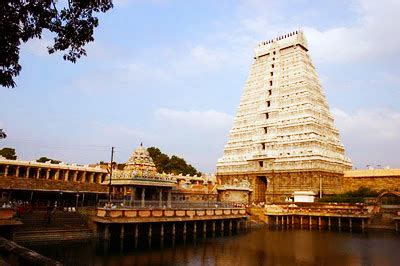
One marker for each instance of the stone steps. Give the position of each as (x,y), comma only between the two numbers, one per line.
(52,235)
(63,226)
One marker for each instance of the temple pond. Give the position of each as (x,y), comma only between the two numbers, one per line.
(255,247)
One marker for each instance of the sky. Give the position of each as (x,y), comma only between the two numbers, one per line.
(170,74)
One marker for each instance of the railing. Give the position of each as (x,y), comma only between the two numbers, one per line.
(155,204)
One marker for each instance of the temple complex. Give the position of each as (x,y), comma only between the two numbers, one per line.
(40,182)
(283,137)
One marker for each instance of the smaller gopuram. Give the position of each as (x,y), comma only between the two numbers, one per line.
(137,181)
(283,137)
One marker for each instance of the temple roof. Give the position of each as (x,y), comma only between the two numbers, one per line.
(140,157)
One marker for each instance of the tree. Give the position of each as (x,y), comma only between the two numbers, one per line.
(8,153)
(160,159)
(21,20)
(175,164)
(45,159)
(2,134)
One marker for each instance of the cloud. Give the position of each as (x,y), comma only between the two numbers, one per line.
(198,136)
(373,36)
(371,136)
(197,120)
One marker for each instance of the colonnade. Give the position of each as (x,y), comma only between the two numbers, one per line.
(310,221)
(173,229)
(50,172)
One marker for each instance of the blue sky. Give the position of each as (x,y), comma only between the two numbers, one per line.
(170,74)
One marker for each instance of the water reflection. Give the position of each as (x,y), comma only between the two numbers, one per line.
(256,247)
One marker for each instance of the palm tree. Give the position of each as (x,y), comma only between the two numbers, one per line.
(2,134)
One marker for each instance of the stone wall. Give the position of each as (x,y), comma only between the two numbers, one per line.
(275,187)
(241,196)
(375,183)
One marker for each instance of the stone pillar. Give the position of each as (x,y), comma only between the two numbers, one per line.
(213,226)
(276,220)
(319,222)
(83,180)
(160,198)
(292,220)
(91,177)
(75,179)
(150,230)
(329,223)
(66,175)
(106,232)
(301,222)
(17,171)
(339,223)
(38,173)
(310,221)
(194,228)
(350,223)
(222,226)
(122,233)
(162,230)
(204,227)
(48,173)
(363,224)
(184,228)
(136,231)
(230,225)
(143,195)
(27,172)
(169,198)
(283,220)
(6,170)
(57,174)
(173,229)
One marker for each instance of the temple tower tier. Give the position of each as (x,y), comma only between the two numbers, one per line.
(283,137)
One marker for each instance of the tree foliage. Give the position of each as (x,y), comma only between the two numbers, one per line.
(2,134)
(8,153)
(174,165)
(21,20)
(45,159)
(356,196)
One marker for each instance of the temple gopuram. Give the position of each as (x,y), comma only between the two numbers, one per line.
(283,137)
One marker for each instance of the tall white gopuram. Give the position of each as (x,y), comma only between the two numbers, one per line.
(283,137)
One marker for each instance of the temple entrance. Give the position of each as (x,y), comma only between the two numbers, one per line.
(260,189)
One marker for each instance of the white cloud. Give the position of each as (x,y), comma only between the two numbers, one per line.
(373,36)
(198,120)
(199,136)
(370,136)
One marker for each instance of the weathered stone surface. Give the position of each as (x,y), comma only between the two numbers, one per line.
(157,213)
(180,213)
(190,213)
(116,214)
(210,212)
(130,213)
(144,213)
(169,213)
(378,179)
(227,212)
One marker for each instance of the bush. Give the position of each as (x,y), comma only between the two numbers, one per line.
(355,196)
